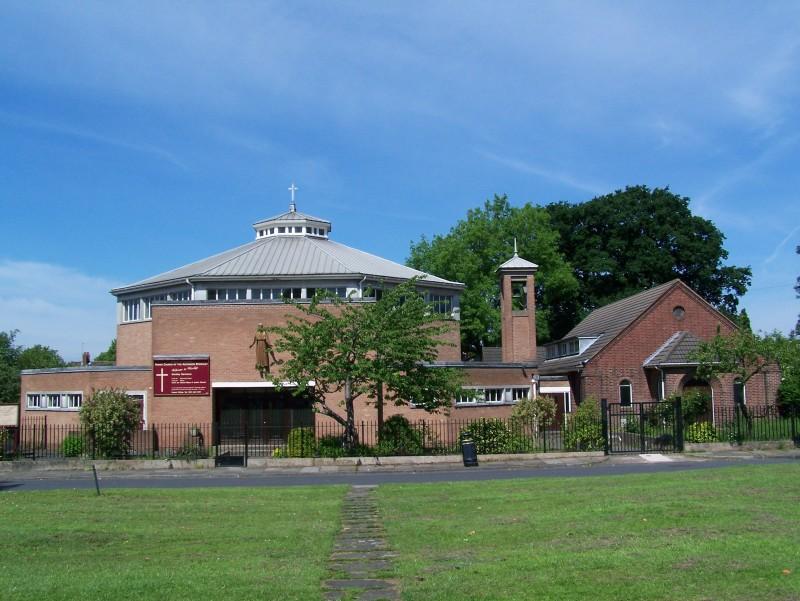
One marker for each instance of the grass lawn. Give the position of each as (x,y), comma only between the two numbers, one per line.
(167,544)
(715,535)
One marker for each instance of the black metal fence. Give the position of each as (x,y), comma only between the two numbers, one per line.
(643,427)
(39,440)
(742,423)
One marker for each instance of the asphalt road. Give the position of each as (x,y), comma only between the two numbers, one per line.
(232,477)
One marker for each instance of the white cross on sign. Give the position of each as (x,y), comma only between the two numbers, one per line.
(162,374)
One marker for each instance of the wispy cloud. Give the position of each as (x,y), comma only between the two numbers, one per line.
(553,175)
(777,250)
(740,173)
(15,120)
(56,306)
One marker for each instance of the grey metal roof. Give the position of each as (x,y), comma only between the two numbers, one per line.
(517,262)
(292,216)
(605,323)
(289,256)
(675,351)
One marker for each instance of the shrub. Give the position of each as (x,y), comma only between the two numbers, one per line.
(398,437)
(331,446)
(701,432)
(539,412)
(73,445)
(300,442)
(489,436)
(695,404)
(110,417)
(191,450)
(584,432)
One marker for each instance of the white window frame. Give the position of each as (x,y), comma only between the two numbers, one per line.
(565,390)
(630,388)
(504,395)
(143,394)
(44,398)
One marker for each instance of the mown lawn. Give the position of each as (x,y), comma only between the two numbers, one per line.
(715,535)
(167,544)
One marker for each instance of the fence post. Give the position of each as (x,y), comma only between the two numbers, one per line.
(794,415)
(737,427)
(678,424)
(34,442)
(153,446)
(246,441)
(604,419)
(94,445)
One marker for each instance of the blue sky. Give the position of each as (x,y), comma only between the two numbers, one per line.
(136,137)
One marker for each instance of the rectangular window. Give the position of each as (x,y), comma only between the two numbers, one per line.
(180,295)
(372,292)
(149,301)
(130,310)
(54,401)
(74,400)
(441,304)
(35,401)
(227,294)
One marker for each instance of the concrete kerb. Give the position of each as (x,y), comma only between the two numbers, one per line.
(294,464)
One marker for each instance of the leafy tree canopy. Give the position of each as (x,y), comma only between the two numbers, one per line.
(110,354)
(9,372)
(14,358)
(633,239)
(745,354)
(353,350)
(473,250)
(39,357)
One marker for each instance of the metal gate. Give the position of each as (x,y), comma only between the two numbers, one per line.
(644,427)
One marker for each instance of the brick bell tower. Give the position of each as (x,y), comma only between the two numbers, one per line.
(518,309)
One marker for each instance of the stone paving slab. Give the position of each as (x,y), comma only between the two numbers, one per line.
(361,553)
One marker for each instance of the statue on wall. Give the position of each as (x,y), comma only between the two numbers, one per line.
(263,351)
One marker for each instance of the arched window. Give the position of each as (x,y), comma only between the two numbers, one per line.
(625,393)
(739,392)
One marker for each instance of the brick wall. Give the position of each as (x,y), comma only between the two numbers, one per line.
(134,343)
(623,357)
(85,381)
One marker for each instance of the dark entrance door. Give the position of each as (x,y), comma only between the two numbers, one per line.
(256,421)
(643,428)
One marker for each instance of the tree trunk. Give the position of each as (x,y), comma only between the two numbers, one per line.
(350,432)
(379,407)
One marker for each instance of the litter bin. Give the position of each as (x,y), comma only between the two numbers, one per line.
(469,453)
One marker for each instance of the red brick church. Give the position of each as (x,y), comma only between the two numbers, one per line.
(185,337)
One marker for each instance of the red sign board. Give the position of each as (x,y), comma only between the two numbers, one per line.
(182,377)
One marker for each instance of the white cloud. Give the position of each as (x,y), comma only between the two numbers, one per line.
(555,175)
(56,306)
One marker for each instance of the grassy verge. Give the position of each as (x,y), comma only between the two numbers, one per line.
(731,534)
(167,544)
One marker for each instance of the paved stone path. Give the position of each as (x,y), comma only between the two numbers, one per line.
(361,557)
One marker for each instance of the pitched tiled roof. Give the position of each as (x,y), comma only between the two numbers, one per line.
(283,256)
(604,324)
(675,350)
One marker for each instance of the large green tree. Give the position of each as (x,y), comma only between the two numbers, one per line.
(9,372)
(39,357)
(476,246)
(636,238)
(110,354)
(379,351)
(13,358)
(797,289)
(745,354)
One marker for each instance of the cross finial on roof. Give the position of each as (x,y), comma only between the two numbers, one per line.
(292,205)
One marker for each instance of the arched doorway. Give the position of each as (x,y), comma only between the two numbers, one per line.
(698,399)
